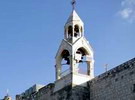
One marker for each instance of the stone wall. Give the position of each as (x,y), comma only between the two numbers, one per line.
(44,93)
(116,84)
(72,93)
(67,93)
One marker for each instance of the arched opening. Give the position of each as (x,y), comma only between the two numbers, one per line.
(76,30)
(70,31)
(65,63)
(65,34)
(82,61)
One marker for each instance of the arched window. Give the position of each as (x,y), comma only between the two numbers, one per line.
(65,33)
(65,56)
(82,61)
(65,62)
(70,31)
(76,30)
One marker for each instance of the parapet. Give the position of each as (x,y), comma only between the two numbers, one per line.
(111,73)
(35,92)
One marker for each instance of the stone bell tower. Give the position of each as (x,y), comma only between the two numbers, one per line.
(74,59)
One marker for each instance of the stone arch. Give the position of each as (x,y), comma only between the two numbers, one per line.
(70,31)
(83,60)
(63,64)
(83,51)
(65,55)
(76,30)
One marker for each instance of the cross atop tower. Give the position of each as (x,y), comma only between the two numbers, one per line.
(73,3)
(73,51)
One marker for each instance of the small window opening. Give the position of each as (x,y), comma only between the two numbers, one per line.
(134,88)
(131,73)
(76,30)
(116,79)
(70,31)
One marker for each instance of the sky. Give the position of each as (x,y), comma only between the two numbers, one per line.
(32,30)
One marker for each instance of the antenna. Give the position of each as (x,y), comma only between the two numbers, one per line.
(73,4)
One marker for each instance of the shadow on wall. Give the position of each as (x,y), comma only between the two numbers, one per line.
(66,93)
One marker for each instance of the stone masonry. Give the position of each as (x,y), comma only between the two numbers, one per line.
(67,93)
(116,84)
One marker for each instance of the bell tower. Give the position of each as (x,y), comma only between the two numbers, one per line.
(74,28)
(74,58)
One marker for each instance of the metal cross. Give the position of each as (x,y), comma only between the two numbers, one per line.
(7,92)
(73,3)
(106,67)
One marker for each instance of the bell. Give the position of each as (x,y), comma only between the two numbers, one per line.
(68,61)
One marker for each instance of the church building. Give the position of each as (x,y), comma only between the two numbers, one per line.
(74,69)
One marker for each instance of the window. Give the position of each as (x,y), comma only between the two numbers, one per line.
(134,88)
(82,63)
(76,30)
(70,31)
(116,79)
(65,68)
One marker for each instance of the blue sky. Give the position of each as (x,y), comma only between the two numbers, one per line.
(31,32)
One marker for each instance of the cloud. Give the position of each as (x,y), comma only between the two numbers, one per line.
(127,11)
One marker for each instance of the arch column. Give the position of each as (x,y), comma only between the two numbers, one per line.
(92,68)
(58,69)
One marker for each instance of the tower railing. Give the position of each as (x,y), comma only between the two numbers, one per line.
(78,70)
(82,71)
(66,72)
